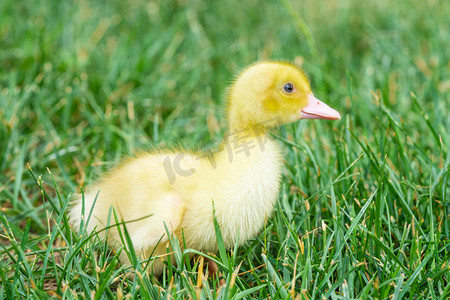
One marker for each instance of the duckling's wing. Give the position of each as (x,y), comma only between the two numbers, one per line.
(168,214)
(173,213)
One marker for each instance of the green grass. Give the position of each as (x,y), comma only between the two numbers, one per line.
(364,209)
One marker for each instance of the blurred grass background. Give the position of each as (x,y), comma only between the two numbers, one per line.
(83,83)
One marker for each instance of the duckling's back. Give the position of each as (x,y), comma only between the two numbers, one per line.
(138,192)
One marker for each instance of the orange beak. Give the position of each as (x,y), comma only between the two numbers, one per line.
(316,109)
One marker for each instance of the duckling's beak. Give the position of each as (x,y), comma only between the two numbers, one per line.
(316,109)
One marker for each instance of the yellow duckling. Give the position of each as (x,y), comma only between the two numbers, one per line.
(242,178)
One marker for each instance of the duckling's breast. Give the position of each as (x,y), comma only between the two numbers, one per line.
(243,191)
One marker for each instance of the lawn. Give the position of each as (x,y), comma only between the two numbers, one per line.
(364,207)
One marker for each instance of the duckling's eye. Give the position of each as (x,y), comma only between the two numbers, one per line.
(288,87)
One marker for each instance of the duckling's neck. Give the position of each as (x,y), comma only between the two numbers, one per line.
(244,142)
(245,151)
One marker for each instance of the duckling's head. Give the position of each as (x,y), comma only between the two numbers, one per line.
(271,93)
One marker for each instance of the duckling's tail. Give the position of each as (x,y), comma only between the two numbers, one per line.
(82,214)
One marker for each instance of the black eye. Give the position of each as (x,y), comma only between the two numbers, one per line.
(288,87)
